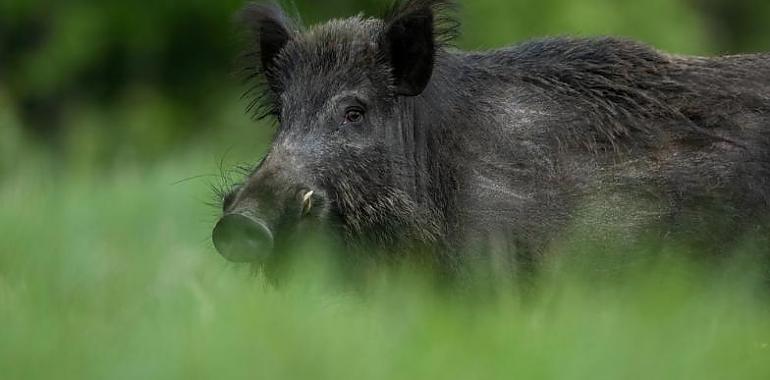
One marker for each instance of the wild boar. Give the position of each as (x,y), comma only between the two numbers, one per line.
(395,142)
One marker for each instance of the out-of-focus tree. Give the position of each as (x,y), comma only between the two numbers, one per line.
(737,26)
(667,24)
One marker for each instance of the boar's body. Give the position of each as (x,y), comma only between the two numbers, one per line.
(608,133)
(394,141)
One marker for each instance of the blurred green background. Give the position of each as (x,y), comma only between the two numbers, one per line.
(99,83)
(117,116)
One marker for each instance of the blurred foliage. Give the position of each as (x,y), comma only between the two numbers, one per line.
(101,82)
(113,277)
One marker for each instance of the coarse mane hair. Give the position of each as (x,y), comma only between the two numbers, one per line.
(633,95)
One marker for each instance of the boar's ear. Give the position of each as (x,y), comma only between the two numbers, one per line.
(415,30)
(411,48)
(269,30)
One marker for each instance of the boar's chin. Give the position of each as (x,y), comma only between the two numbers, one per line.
(370,207)
(387,219)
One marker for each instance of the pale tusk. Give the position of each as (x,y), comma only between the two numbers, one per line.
(307,203)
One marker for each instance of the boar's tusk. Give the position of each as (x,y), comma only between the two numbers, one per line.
(307,203)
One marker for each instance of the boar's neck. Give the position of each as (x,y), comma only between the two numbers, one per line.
(476,161)
(430,133)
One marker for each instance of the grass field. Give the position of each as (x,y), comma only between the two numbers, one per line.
(112,276)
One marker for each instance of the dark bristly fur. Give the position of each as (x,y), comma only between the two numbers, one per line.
(497,154)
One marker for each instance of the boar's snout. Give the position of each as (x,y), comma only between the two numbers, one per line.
(242,239)
(272,205)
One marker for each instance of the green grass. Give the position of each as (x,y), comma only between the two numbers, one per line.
(113,277)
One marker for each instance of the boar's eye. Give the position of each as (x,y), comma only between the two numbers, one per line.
(354,115)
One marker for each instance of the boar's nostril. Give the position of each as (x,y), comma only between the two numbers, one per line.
(242,239)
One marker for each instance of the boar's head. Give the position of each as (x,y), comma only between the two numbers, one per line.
(344,156)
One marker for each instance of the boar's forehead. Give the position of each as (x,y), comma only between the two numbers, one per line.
(332,57)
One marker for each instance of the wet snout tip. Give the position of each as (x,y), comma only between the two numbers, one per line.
(307,203)
(240,238)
